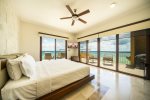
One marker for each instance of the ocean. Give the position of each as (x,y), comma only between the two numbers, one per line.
(122,55)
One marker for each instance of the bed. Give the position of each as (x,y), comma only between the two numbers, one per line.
(53,80)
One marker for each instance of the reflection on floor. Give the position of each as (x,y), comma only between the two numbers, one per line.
(109,85)
(88,92)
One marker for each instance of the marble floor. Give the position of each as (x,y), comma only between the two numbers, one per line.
(110,85)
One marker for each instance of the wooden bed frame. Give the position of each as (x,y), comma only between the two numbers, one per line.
(58,94)
(55,95)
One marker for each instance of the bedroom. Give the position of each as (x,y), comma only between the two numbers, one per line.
(111,40)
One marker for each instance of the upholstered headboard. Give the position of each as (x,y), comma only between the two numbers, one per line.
(3,71)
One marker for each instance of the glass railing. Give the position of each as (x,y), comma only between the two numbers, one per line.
(123,56)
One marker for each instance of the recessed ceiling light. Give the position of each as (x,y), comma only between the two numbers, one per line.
(113,5)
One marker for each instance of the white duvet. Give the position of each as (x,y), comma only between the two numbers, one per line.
(49,76)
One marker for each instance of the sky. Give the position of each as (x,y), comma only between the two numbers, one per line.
(48,44)
(107,44)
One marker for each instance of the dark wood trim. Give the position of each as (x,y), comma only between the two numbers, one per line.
(87,59)
(3,63)
(117,51)
(58,94)
(66,49)
(53,35)
(79,51)
(92,65)
(40,48)
(108,69)
(148,54)
(98,51)
(141,21)
(55,48)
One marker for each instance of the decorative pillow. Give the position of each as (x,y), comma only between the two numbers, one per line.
(13,69)
(28,64)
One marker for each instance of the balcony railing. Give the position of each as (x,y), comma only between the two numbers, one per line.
(122,55)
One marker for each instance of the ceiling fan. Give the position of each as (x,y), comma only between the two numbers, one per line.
(75,16)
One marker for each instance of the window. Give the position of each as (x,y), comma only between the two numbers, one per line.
(108,52)
(127,52)
(48,47)
(92,52)
(60,49)
(83,51)
(132,52)
(53,48)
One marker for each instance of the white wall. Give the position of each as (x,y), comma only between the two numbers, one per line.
(27,40)
(139,14)
(30,40)
(9,28)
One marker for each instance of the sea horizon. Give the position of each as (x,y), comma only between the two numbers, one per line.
(90,51)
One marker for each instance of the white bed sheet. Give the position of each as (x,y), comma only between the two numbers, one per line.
(49,76)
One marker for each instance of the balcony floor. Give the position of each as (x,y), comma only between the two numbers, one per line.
(122,67)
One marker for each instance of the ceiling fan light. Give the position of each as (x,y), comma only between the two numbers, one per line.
(75,18)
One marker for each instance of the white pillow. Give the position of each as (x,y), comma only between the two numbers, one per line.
(28,64)
(13,69)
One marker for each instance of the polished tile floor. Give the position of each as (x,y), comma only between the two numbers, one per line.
(109,85)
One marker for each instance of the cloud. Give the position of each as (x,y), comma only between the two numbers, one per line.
(124,41)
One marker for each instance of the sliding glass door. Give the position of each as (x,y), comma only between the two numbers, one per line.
(127,52)
(52,48)
(108,52)
(60,49)
(83,54)
(48,48)
(92,52)
(132,53)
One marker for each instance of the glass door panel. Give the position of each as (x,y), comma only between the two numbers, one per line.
(48,48)
(108,52)
(83,51)
(92,52)
(60,49)
(132,53)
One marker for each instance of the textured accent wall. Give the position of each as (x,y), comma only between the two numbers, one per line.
(9,28)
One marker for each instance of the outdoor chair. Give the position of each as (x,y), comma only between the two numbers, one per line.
(60,55)
(48,56)
(108,60)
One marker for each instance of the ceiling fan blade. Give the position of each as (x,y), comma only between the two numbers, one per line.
(73,22)
(84,12)
(83,21)
(65,17)
(70,10)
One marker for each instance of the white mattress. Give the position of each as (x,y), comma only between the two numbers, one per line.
(49,76)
